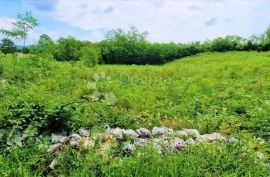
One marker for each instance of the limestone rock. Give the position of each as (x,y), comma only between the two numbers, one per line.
(55,147)
(232,139)
(192,132)
(130,134)
(117,132)
(210,137)
(177,144)
(143,133)
(261,156)
(53,163)
(58,138)
(161,131)
(87,142)
(140,142)
(84,133)
(128,148)
(74,139)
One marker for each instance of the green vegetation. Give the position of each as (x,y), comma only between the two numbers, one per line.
(224,92)
(127,47)
(7,46)
(219,86)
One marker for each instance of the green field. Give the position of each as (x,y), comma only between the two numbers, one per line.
(224,92)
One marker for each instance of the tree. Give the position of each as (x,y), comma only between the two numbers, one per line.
(25,22)
(46,45)
(124,47)
(7,46)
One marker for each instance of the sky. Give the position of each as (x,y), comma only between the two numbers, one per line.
(165,20)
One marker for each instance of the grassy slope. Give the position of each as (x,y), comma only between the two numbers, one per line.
(227,92)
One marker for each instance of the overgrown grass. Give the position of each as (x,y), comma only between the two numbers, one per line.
(225,92)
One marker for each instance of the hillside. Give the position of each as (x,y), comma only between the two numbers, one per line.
(212,92)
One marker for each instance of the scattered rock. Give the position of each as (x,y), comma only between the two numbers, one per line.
(143,133)
(87,142)
(140,142)
(58,138)
(261,141)
(161,131)
(261,156)
(128,148)
(163,140)
(192,132)
(107,128)
(55,147)
(232,139)
(117,132)
(210,137)
(16,139)
(84,132)
(74,140)
(178,144)
(53,163)
(130,134)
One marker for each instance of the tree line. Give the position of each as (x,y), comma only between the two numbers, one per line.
(123,47)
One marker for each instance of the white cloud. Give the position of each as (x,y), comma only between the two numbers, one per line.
(165,20)
(170,20)
(6,23)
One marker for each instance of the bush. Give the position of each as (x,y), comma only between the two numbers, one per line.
(7,46)
(68,49)
(222,45)
(89,56)
(45,46)
(121,47)
(1,70)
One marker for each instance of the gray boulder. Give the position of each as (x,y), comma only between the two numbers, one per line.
(53,163)
(143,133)
(117,132)
(161,131)
(210,137)
(55,147)
(232,139)
(128,148)
(140,142)
(130,134)
(192,132)
(58,138)
(84,133)
(177,144)
(74,139)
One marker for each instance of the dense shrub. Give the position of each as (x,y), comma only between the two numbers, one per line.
(45,46)
(222,45)
(124,47)
(68,49)
(7,46)
(89,56)
(1,70)
(132,47)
